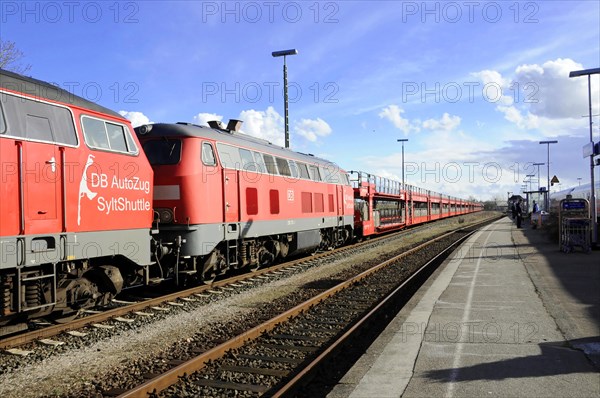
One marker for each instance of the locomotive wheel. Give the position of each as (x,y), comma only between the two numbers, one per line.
(215,261)
(64,318)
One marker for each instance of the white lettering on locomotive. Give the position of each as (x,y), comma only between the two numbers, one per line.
(122,204)
(84,189)
(108,205)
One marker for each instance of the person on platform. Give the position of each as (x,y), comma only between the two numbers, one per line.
(519,212)
(536,208)
(513,208)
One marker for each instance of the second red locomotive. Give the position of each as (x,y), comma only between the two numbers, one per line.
(226,200)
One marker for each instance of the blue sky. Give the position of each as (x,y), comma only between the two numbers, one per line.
(472,85)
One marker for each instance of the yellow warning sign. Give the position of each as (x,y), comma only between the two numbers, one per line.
(554,180)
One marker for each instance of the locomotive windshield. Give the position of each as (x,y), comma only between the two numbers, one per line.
(163,152)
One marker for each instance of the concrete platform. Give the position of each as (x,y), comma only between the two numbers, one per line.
(507,315)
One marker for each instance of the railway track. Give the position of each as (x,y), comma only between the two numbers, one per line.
(324,271)
(276,357)
(128,311)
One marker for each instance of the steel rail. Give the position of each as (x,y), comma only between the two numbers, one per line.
(195,364)
(306,370)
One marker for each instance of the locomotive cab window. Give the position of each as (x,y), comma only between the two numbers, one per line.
(208,155)
(36,120)
(163,152)
(101,134)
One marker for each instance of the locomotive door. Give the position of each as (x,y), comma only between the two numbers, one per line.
(41,169)
(340,204)
(231,196)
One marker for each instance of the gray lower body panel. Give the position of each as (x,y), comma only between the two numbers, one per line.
(33,250)
(201,239)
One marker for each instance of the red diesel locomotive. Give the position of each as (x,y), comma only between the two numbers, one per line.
(226,200)
(87,208)
(75,201)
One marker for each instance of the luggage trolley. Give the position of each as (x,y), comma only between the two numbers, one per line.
(575,225)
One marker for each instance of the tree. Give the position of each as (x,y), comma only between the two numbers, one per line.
(11,56)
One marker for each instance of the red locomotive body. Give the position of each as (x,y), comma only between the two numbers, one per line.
(384,205)
(75,201)
(226,200)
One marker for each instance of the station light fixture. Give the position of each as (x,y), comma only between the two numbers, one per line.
(285,53)
(402,140)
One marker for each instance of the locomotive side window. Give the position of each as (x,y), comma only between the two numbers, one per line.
(208,155)
(38,128)
(260,162)
(37,120)
(163,151)
(101,134)
(116,136)
(95,133)
(303,171)
(2,124)
(293,168)
(229,156)
(247,160)
(270,163)
(283,166)
(315,173)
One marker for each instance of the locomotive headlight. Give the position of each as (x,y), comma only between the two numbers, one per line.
(165,215)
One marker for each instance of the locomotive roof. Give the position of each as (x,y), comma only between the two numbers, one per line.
(234,138)
(43,90)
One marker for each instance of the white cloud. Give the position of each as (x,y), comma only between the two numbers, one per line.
(550,92)
(446,123)
(203,118)
(543,97)
(312,129)
(268,125)
(136,118)
(514,115)
(394,114)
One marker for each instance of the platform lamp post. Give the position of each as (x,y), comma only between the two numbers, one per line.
(283,54)
(403,140)
(589,73)
(547,201)
(538,173)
